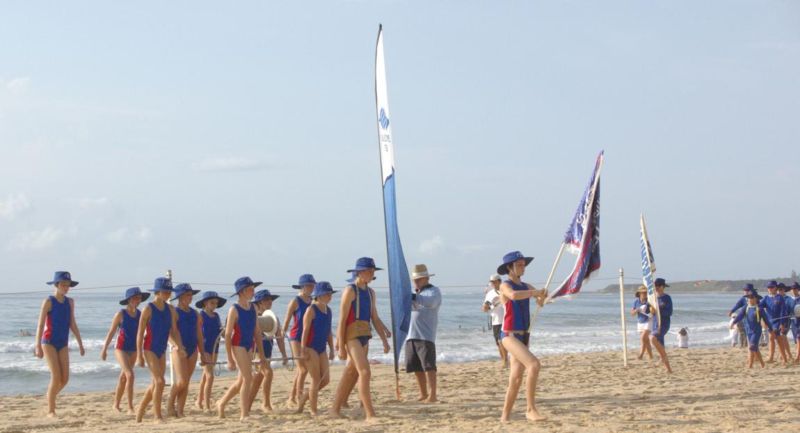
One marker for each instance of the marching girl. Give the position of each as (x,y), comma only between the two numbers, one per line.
(294,315)
(317,336)
(357,311)
(127,322)
(516,296)
(753,317)
(240,332)
(184,363)
(211,325)
(263,302)
(794,301)
(157,324)
(56,319)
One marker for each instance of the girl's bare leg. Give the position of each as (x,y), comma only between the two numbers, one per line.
(312,364)
(267,389)
(760,359)
(236,386)
(359,355)
(646,343)
(300,374)
(346,383)
(156,390)
(531,366)
(56,377)
(661,351)
(126,377)
(179,365)
(200,402)
(244,364)
(189,365)
(258,377)
(771,347)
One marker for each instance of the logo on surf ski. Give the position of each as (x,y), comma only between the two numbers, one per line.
(382,119)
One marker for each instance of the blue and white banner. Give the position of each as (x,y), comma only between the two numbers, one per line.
(399,281)
(648,267)
(583,236)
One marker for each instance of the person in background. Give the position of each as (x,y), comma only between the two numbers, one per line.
(794,308)
(492,305)
(754,317)
(775,304)
(641,309)
(661,321)
(420,345)
(212,334)
(683,338)
(740,336)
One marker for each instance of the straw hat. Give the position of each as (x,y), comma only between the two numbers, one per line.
(420,271)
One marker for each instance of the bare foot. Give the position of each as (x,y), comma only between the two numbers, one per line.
(158,420)
(431,399)
(244,418)
(266,408)
(140,415)
(180,415)
(534,415)
(422,398)
(302,403)
(131,411)
(51,414)
(220,411)
(171,413)
(334,414)
(199,404)
(116,408)
(346,405)
(504,420)
(371,420)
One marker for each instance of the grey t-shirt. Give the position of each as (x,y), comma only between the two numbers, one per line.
(425,314)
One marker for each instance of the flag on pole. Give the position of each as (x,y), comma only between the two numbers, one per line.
(399,281)
(648,267)
(583,236)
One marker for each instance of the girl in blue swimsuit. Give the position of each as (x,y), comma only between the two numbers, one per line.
(56,319)
(126,325)
(353,344)
(294,317)
(211,324)
(191,331)
(263,302)
(317,337)
(240,337)
(157,325)
(516,296)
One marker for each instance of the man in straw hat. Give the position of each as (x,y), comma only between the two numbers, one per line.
(492,305)
(420,345)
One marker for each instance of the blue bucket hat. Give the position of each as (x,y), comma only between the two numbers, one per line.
(660,282)
(322,288)
(162,284)
(511,258)
(62,276)
(353,276)
(781,286)
(364,263)
(303,280)
(771,284)
(210,295)
(183,288)
(795,286)
(754,292)
(263,294)
(243,283)
(131,292)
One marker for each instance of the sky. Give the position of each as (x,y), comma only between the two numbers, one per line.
(221,140)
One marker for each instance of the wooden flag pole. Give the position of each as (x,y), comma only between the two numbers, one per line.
(169,352)
(622,316)
(547,283)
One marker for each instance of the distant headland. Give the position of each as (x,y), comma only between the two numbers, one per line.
(708,285)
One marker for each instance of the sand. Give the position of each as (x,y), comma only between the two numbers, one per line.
(710,391)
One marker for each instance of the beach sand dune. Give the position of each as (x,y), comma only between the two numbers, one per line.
(709,392)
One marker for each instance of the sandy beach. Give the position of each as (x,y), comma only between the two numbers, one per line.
(709,392)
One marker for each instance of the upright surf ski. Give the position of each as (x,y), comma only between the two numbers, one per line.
(399,281)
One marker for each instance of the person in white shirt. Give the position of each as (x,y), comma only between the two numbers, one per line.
(492,305)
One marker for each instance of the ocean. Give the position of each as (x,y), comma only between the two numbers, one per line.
(589,322)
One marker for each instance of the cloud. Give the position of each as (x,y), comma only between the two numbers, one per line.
(36,240)
(89,203)
(432,245)
(228,164)
(18,86)
(138,235)
(14,205)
